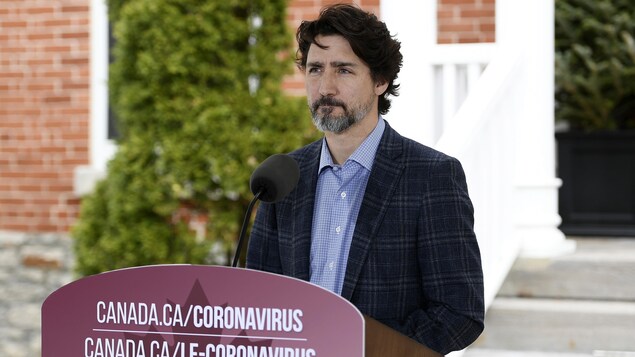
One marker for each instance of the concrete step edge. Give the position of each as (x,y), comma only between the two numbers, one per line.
(621,308)
(576,279)
(571,326)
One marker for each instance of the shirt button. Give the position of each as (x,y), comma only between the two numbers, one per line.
(338,229)
(331,265)
(343,194)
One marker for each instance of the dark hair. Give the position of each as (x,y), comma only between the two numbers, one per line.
(369,38)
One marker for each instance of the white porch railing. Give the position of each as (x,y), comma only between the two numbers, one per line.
(455,72)
(480,135)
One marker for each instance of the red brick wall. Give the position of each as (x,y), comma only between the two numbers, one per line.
(44,110)
(466,21)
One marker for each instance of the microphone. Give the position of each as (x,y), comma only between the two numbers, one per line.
(270,182)
(275,177)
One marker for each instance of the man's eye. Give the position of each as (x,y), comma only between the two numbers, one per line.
(344,71)
(313,70)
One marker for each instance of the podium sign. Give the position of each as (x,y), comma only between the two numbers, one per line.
(198,311)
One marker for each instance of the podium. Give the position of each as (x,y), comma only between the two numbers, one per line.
(210,311)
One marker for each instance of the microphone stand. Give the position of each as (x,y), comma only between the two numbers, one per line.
(243,230)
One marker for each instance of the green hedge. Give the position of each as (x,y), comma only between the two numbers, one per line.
(192,127)
(595,64)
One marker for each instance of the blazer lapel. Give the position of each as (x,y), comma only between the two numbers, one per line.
(385,174)
(303,205)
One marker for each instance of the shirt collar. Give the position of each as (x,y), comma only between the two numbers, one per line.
(364,154)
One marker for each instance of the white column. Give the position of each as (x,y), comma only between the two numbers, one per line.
(414,24)
(528,26)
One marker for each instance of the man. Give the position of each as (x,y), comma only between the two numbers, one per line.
(377,218)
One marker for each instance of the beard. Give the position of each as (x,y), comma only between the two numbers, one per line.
(325,120)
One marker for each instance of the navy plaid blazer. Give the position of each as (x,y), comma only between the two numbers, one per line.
(414,262)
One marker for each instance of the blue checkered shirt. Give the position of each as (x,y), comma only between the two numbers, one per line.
(340,190)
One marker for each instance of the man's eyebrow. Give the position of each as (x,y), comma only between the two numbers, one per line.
(343,64)
(333,64)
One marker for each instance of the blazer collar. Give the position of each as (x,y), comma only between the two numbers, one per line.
(303,204)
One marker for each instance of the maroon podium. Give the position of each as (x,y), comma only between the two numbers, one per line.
(209,311)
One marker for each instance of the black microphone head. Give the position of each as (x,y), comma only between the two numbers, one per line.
(276,177)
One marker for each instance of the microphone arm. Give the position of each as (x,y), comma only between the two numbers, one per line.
(243,230)
(270,182)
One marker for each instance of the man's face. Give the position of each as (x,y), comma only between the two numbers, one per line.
(339,87)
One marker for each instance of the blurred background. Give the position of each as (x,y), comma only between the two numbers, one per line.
(129,130)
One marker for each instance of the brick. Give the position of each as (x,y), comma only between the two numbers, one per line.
(35,261)
(43,200)
(10,74)
(57,49)
(13,49)
(40,61)
(40,36)
(454,27)
(40,87)
(70,135)
(30,188)
(490,38)
(67,9)
(83,35)
(13,24)
(458,2)
(30,175)
(17,227)
(60,187)
(40,10)
(12,201)
(12,100)
(57,99)
(57,23)
(446,14)
(75,61)
(487,30)
(30,161)
(302,3)
(479,13)
(468,39)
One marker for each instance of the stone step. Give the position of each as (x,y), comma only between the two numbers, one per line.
(554,325)
(599,269)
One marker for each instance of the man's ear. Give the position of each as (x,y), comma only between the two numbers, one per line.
(380,87)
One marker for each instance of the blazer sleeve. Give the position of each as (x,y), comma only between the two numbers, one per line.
(450,264)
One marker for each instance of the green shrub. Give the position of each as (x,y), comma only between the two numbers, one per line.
(192,127)
(595,64)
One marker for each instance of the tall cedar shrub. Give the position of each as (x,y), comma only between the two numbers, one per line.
(196,86)
(595,64)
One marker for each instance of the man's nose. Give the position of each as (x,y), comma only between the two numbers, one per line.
(328,85)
